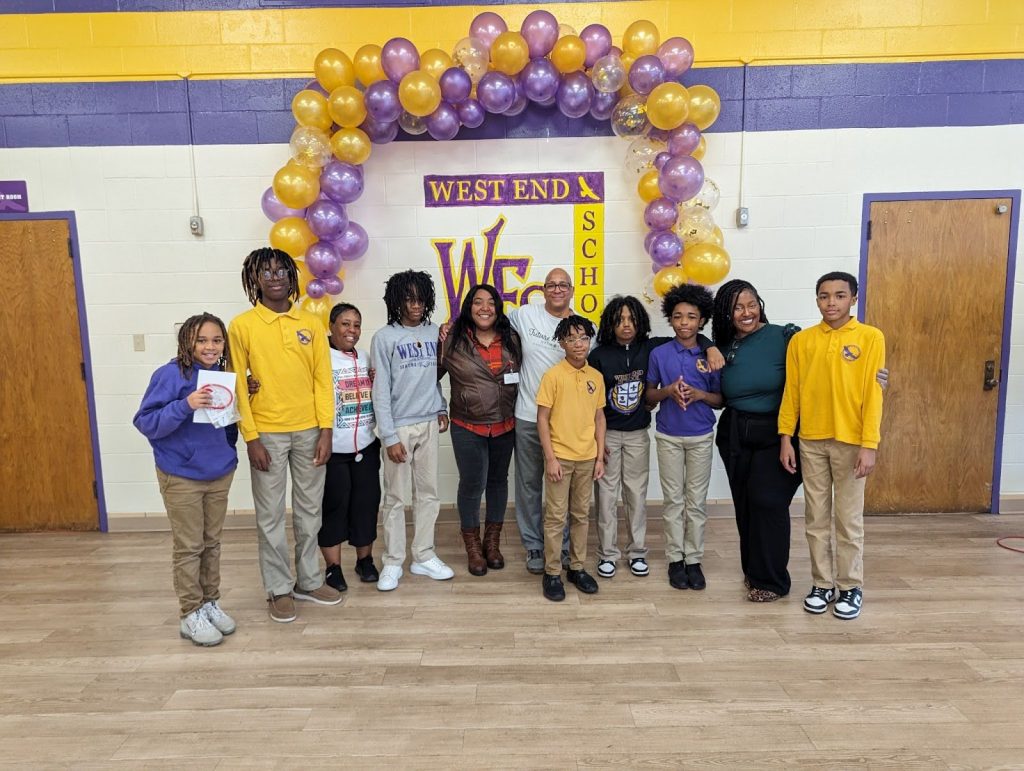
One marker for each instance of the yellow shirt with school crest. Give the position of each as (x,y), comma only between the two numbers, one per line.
(574,396)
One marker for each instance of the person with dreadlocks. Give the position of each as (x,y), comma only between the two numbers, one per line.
(286,426)
(621,356)
(411,414)
(195,463)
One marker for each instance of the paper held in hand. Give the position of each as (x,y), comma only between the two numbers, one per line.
(224,409)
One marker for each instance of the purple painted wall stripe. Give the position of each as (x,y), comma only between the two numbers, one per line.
(100,6)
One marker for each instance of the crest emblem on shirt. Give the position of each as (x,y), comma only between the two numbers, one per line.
(304,335)
(851,352)
(703,366)
(625,397)
(591,386)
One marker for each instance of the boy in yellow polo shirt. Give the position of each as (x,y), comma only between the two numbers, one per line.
(286,426)
(833,395)
(571,426)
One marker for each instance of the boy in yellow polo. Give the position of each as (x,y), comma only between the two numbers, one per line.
(286,426)
(571,426)
(833,395)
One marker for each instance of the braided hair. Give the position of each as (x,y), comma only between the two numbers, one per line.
(722,330)
(569,323)
(188,334)
(464,323)
(407,285)
(612,314)
(258,261)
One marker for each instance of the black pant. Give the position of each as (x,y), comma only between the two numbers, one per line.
(761,492)
(351,498)
(483,462)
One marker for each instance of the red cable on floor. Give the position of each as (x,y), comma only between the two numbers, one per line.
(999,542)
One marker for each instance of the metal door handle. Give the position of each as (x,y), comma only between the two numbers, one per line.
(991,381)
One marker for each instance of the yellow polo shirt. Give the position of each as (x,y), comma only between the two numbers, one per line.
(288,353)
(574,396)
(830,384)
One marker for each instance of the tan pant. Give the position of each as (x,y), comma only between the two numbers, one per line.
(628,469)
(571,493)
(196,512)
(831,494)
(684,466)
(413,483)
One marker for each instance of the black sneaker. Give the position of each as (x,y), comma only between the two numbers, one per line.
(366,570)
(848,605)
(334,578)
(818,599)
(695,576)
(583,580)
(677,575)
(553,588)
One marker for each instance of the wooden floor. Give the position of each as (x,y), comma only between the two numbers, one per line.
(484,673)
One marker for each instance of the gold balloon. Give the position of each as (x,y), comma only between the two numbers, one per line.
(292,235)
(667,106)
(346,106)
(351,145)
(434,61)
(367,64)
(296,186)
(717,237)
(310,109)
(510,53)
(667,279)
(640,38)
(647,187)
(333,68)
(319,307)
(569,54)
(419,93)
(706,263)
(704,106)
(700,149)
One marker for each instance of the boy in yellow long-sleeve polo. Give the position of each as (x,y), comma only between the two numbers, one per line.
(286,426)
(833,395)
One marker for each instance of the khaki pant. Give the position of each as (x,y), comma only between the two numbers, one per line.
(628,468)
(413,483)
(294,452)
(684,466)
(571,493)
(196,512)
(831,494)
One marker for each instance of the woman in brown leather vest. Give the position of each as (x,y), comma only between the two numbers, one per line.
(482,355)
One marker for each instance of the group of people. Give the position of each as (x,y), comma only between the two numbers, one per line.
(571,403)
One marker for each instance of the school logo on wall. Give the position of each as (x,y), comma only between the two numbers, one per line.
(483,263)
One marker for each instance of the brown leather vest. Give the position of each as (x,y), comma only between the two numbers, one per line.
(478,395)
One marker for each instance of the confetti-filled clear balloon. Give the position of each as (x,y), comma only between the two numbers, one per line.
(647,293)
(629,118)
(609,74)
(473,56)
(411,124)
(641,154)
(707,198)
(310,147)
(694,226)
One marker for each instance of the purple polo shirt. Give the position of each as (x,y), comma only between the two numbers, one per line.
(667,363)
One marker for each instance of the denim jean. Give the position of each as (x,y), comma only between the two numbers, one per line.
(483,465)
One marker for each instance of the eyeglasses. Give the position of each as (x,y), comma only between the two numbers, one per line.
(577,340)
(558,286)
(267,275)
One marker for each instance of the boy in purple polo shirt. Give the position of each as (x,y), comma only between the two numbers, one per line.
(679,378)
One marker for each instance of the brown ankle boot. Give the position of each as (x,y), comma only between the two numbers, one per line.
(492,540)
(474,551)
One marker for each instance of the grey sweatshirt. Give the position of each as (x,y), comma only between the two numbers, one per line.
(405,387)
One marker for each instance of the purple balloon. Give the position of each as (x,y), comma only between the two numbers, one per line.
(683,140)
(471,113)
(443,123)
(661,159)
(649,238)
(456,85)
(660,214)
(381,100)
(353,243)
(379,133)
(548,102)
(540,28)
(332,285)
(315,289)
(322,259)
(676,54)
(520,102)
(326,219)
(398,58)
(646,73)
(598,42)
(666,249)
(496,91)
(602,105)
(681,178)
(487,26)
(575,94)
(274,209)
(342,182)
(539,80)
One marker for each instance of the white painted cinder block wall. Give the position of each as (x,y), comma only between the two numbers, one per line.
(143,270)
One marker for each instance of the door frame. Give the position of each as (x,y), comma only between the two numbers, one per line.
(83,333)
(1011,262)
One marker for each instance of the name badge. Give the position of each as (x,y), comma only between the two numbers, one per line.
(511,378)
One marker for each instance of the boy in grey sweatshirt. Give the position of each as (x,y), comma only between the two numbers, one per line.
(411,414)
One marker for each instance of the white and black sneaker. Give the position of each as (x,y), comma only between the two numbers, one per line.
(848,605)
(638,566)
(818,600)
(606,568)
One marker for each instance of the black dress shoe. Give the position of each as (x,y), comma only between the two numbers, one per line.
(695,577)
(677,575)
(553,588)
(366,570)
(334,578)
(583,580)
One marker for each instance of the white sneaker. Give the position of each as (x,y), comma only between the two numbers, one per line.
(606,568)
(389,578)
(433,568)
(224,623)
(197,628)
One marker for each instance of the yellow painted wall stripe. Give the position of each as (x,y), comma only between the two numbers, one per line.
(273,42)
(588,259)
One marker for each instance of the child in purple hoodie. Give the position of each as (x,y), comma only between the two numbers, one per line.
(195,463)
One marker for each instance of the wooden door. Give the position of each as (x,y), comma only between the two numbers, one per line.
(936,284)
(47,476)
